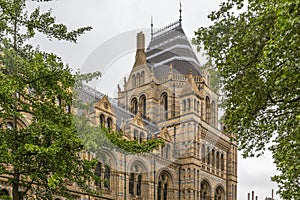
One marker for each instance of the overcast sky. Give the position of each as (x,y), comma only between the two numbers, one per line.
(116,22)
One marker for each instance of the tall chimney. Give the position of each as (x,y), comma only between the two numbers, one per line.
(140,41)
(140,56)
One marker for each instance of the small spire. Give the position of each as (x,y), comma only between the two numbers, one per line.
(151,27)
(180,11)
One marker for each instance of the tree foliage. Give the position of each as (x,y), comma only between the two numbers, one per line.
(39,141)
(255,45)
(39,146)
(95,138)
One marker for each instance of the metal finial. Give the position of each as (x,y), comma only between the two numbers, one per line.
(180,11)
(151,27)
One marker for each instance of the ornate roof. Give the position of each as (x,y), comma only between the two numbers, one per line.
(170,45)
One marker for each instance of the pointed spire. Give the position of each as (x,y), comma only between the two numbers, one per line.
(151,27)
(180,12)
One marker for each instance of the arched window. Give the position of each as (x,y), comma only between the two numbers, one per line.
(189,103)
(184,105)
(139,185)
(213,158)
(164,105)
(109,123)
(131,183)
(208,156)
(219,193)
(165,191)
(213,113)
(218,160)
(135,180)
(133,81)
(98,174)
(195,105)
(134,106)
(207,105)
(203,153)
(222,162)
(143,104)
(159,191)
(135,135)
(107,177)
(205,193)
(102,120)
(164,183)
(198,107)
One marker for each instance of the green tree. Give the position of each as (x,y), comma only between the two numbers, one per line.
(255,45)
(39,143)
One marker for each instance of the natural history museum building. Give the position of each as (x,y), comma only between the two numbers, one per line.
(166,96)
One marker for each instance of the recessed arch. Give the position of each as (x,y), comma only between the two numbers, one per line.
(137,174)
(205,189)
(137,161)
(109,157)
(219,193)
(164,184)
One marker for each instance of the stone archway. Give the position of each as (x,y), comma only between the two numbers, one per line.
(138,179)
(164,186)
(205,191)
(219,193)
